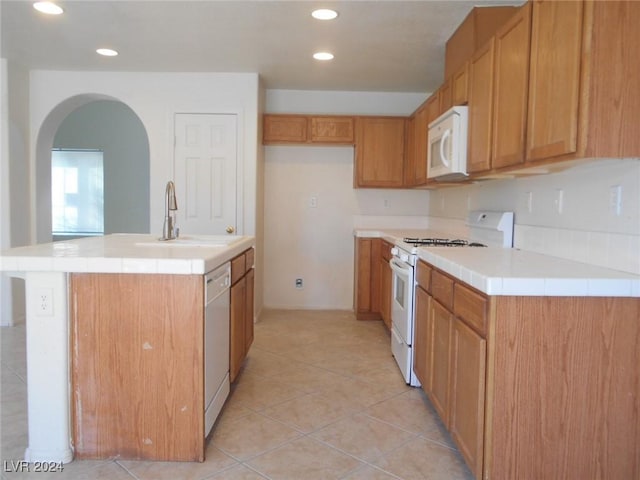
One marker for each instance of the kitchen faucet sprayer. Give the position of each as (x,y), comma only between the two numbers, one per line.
(169,230)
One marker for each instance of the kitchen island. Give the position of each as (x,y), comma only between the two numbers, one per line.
(132,279)
(531,361)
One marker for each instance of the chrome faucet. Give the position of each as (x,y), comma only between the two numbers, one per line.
(169,230)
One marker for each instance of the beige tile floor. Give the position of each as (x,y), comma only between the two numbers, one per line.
(319,397)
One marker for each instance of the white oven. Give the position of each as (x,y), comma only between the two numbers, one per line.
(486,228)
(403,282)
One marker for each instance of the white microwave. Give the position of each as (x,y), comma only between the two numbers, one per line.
(447,152)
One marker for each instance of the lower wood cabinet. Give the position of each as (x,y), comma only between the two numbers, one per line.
(137,366)
(531,387)
(372,286)
(241,318)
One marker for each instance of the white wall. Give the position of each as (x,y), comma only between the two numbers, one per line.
(586,230)
(316,243)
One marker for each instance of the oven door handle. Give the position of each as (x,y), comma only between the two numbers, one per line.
(399,268)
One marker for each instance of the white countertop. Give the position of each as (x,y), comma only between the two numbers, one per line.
(509,271)
(123,253)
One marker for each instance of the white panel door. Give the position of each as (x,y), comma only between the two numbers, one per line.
(205,172)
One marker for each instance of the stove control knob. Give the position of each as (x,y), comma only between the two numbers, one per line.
(404,257)
(395,251)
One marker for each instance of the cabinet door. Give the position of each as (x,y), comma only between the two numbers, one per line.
(510,89)
(460,86)
(380,152)
(466,414)
(445,96)
(422,336)
(237,327)
(284,129)
(248,311)
(410,159)
(480,109)
(554,81)
(338,130)
(438,371)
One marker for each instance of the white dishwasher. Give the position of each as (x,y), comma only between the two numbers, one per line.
(216,343)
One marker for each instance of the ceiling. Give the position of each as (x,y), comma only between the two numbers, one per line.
(386,46)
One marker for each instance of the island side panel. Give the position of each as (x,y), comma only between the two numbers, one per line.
(565,398)
(137,366)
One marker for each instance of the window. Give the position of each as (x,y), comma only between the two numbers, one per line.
(77,192)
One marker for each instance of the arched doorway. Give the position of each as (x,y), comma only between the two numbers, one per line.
(96,122)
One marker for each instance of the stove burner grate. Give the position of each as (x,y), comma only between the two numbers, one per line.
(440,242)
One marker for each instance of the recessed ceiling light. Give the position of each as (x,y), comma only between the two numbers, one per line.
(49,8)
(107,52)
(324,14)
(323,56)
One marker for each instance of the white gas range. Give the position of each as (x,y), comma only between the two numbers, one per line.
(486,229)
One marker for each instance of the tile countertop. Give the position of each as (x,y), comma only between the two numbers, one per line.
(121,253)
(509,271)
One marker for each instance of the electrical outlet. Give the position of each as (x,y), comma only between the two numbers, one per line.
(44,302)
(558,201)
(298,283)
(615,200)
(313,202)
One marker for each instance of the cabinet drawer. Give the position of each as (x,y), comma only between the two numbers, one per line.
(471,307)
(423,276)
(238,266)
(442,289)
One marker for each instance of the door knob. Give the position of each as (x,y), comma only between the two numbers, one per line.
(230,229)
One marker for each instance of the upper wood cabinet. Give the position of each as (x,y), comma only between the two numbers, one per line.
(380,146)
(317,129)
(481,78)
(460,86)
(326,129)
(445,97)
(498,97)
(511,78)
(478,27)
(285,129)
(415,167)
(583,95)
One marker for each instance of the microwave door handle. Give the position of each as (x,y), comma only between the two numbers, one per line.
(445,137)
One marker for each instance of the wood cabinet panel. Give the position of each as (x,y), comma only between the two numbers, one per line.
(476,29)
(338,129)
(564,384)
(438,371)
(480,108)
(285,129)
(137,366)
(512,44)
(237,327)
(460,86)
(241,310)
(379,152)
(466,413)
(554,82)
(445,96)
(367,278)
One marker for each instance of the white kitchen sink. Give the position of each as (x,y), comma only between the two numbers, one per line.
(194,241)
